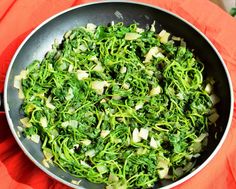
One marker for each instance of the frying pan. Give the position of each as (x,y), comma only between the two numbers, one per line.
(39,42)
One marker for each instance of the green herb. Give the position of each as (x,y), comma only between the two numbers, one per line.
(118,105)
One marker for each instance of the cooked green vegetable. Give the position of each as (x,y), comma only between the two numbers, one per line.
(118,105)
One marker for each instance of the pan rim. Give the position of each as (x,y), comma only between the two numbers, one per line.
(176,183)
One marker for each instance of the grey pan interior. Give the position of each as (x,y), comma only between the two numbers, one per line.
(40,40)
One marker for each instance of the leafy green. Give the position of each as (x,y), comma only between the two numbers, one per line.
(89,94)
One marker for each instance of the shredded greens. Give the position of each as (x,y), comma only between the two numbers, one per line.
(119,105)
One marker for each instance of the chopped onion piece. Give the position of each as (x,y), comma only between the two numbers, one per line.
(17,82)
(164,36)
(43,121)
(113,178)
(201,137)
(72,123)
(135,135)
(91,27)
(153,143)
(208,88)
(70,69)
(45,163)
(215,99)
(176,38)
(25,122)
(123,70)
(126,86)
(104,133)
(102,168)
(163,164)
(47,153)
(99,86)
(139,30)
(81,74)
(116,97)
(84,163)
(153,29)
(90,153)
(35,138)
(82,47)
(152,52)
(86,142)
(70,94)
(213,117)
(155,91)
(132,36)
(49,104)
(143,133)
(76,182)
(139,105)
(98,67)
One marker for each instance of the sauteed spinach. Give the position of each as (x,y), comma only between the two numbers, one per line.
(119,105)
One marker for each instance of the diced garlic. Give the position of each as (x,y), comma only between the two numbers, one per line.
(155,91)
(123,70)
(81,74)
(104,133)
(153,143)
(91,27)
(143,133)
(99,86)
(135,136)
(43,121)
(35,138)
(132,36)
(164,36)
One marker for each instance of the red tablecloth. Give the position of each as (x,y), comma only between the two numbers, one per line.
(18,18)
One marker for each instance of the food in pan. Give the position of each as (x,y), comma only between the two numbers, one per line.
(119,105)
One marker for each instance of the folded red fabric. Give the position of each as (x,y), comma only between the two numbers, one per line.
(18,18)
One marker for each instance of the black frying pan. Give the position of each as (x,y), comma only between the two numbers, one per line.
(39,42)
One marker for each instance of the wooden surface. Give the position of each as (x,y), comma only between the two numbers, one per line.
(225,4)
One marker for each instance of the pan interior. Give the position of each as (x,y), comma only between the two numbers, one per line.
(102,14)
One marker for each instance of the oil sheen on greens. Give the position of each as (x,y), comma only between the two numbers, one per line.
(118,105)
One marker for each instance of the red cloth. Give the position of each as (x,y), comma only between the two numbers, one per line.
(18,18)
